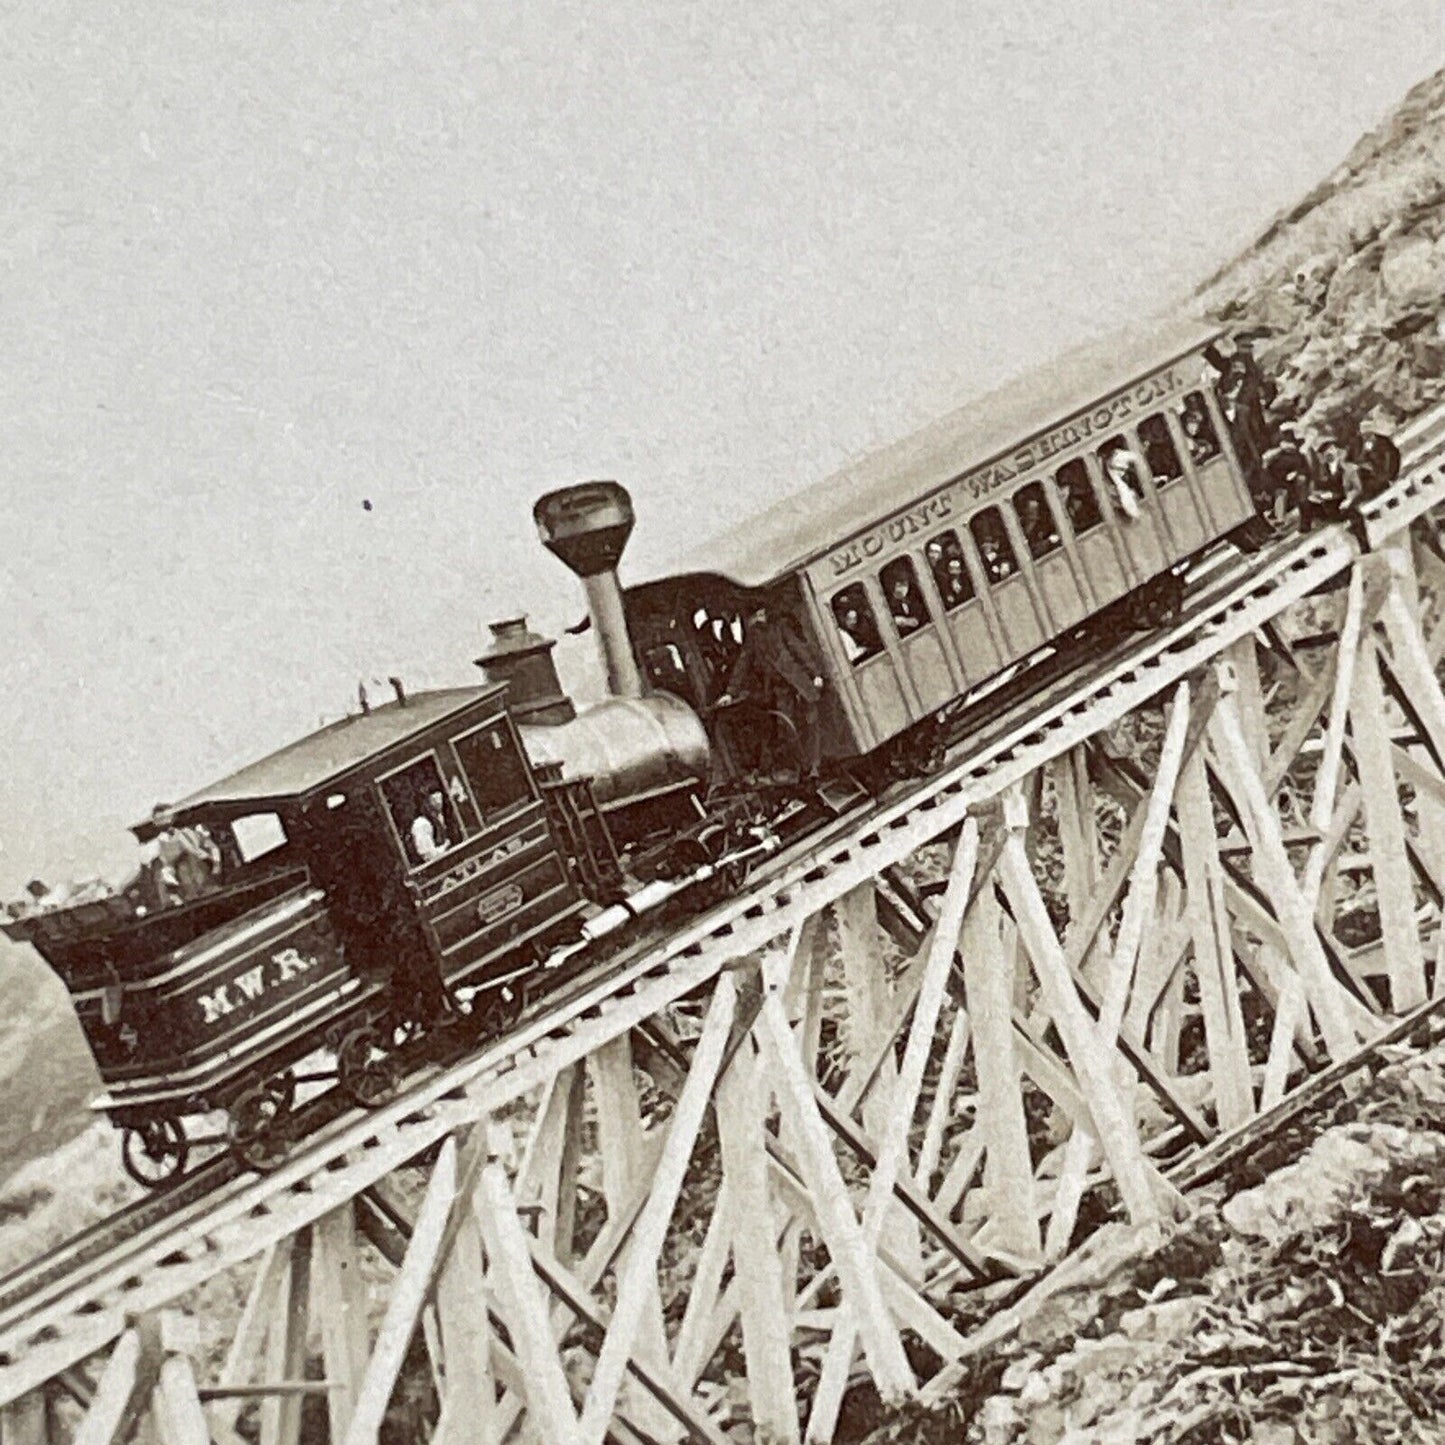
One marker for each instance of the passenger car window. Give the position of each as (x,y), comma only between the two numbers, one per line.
(857,626)
(1039,528)
(494,767)
(1124,475)
(994,547)
(1159,452)
(944,555)
(424,817)
(905,601)
(1080,502)
(1199,434)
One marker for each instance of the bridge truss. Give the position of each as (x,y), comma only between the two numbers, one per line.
(805,1152)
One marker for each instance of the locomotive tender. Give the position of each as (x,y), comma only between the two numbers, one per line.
(476,839)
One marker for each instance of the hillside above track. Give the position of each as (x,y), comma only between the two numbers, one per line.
(1346,286)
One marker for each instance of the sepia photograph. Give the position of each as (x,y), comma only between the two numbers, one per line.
(725,724)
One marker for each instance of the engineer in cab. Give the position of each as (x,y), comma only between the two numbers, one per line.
(781,669)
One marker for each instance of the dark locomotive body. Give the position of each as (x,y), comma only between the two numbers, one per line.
(328,929)
(467,840)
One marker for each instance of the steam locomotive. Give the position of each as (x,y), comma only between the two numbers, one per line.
(477,845)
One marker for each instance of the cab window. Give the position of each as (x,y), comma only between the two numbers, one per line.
(421,811)
(1198,428)
(944,555)
(857,627)
(905,600)
(256,835)
(1037,521)
(1159,453)
(494,767)
(994,548)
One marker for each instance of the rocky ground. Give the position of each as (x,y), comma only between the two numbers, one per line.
(1347,289)
(1306,1310)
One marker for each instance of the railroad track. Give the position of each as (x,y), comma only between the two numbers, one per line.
(72,1301)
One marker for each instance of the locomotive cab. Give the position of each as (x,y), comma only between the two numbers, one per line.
(360,876)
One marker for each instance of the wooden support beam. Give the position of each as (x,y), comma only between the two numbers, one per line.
(339,1312)
(1138,1182)
(550,1164)
(408,1293)
(286,1345)
(854,1262)
(1394,887)
(764,1297)
(1272,869)
(940,1111)
(179,1416)
(988,972)
(622,1145)
(524,1306)
(1138,911)
(638,1281)
(895,1122)
(1225,1040)
(469,1403)
(123,1388)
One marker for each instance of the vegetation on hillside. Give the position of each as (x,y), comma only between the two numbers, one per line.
(1347,289)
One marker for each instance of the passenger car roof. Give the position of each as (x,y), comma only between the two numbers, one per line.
(301,768)
(811,521)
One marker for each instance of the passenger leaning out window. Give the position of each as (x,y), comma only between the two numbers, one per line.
(1124,472)
(856,627)
(1198,430)
(905,602)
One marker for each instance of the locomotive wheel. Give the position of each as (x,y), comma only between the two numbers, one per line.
(497,1010)
(366,1073)
(155,1152)
(257,1128)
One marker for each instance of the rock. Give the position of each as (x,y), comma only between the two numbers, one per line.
(1412,269)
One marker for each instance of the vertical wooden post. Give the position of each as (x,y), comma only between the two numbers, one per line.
(988,974)
(855,1263)
(408,1294)
(1394,885)
(764,1298)
(117,1396)
(1093,1065)
(549,1167)
(339,1309)
(1208,918)
(870,1006)
(180,1420)
(469,1405)
(524,1306)
(637,1285)
(1276,877)
(286,1346)
(892,1156)
(621,1142)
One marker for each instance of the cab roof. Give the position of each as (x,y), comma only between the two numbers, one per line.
(300,769)
(807,523)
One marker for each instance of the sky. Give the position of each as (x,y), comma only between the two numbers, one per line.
(264,264)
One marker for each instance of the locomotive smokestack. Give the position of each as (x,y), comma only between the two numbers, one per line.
(587,526)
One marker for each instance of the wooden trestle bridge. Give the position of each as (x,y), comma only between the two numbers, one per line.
(759,1158)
